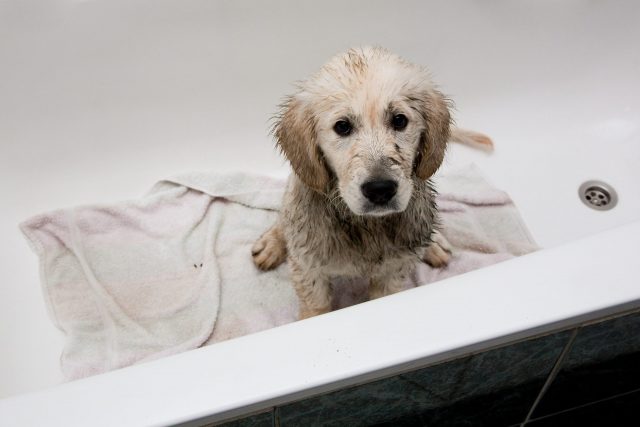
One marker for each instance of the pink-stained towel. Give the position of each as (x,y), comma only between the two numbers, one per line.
(138,280)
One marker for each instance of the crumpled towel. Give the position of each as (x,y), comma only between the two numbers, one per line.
(138,280)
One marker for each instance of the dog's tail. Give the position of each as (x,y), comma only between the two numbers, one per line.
(472,139)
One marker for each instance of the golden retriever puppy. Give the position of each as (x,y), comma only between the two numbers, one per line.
(363,137)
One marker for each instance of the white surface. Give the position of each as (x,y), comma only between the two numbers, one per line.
(99,99)
(485,306)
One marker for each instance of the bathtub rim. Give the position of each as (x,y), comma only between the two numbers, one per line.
(191,389)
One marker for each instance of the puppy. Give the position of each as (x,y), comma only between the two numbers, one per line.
(363,136)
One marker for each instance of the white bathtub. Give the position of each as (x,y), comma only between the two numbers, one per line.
(99,100)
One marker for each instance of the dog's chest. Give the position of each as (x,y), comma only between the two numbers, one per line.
(337,243)
(371,249)
(344,248)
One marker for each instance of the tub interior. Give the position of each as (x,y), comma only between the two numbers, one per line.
(100,100)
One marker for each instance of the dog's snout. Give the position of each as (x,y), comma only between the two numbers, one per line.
(379,192)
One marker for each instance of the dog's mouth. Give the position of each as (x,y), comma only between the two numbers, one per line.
(367,208)
(376,197)
(371,209)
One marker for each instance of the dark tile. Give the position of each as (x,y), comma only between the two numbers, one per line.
(500,408)
(604,361)
(264,419)
(619,411)
(601,341)
(496,387)
(359,406)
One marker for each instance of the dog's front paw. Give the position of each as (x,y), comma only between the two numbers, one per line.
(438,253)
(269,251)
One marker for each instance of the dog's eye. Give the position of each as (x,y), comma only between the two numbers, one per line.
(343,127)
(399,121)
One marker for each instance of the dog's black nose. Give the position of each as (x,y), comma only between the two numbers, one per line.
(379,192)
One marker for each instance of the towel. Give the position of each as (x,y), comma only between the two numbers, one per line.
(137,280)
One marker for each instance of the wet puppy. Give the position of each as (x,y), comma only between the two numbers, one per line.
(363,137)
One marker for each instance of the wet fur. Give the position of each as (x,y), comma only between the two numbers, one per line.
(318,230)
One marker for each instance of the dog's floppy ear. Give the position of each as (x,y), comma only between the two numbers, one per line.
(295,133)
(433,141)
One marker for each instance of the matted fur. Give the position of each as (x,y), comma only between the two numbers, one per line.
(326,227)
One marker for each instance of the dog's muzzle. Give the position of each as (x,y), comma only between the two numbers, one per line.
(379,192)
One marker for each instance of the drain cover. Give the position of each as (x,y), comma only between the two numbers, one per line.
(598,195)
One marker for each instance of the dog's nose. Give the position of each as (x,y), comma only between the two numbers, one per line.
(379,192)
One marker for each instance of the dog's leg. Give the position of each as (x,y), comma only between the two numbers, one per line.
(314,292)
(387,285)
(270,250)
(438,253)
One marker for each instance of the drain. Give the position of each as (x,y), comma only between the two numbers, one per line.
(598,195)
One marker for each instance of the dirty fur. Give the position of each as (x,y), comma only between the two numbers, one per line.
(327,227)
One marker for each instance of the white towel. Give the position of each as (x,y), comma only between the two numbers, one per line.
(172,271)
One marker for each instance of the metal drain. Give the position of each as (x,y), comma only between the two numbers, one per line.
(598,195)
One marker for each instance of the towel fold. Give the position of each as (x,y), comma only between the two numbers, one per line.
(138,280)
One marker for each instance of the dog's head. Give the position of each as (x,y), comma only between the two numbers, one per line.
(372,120)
